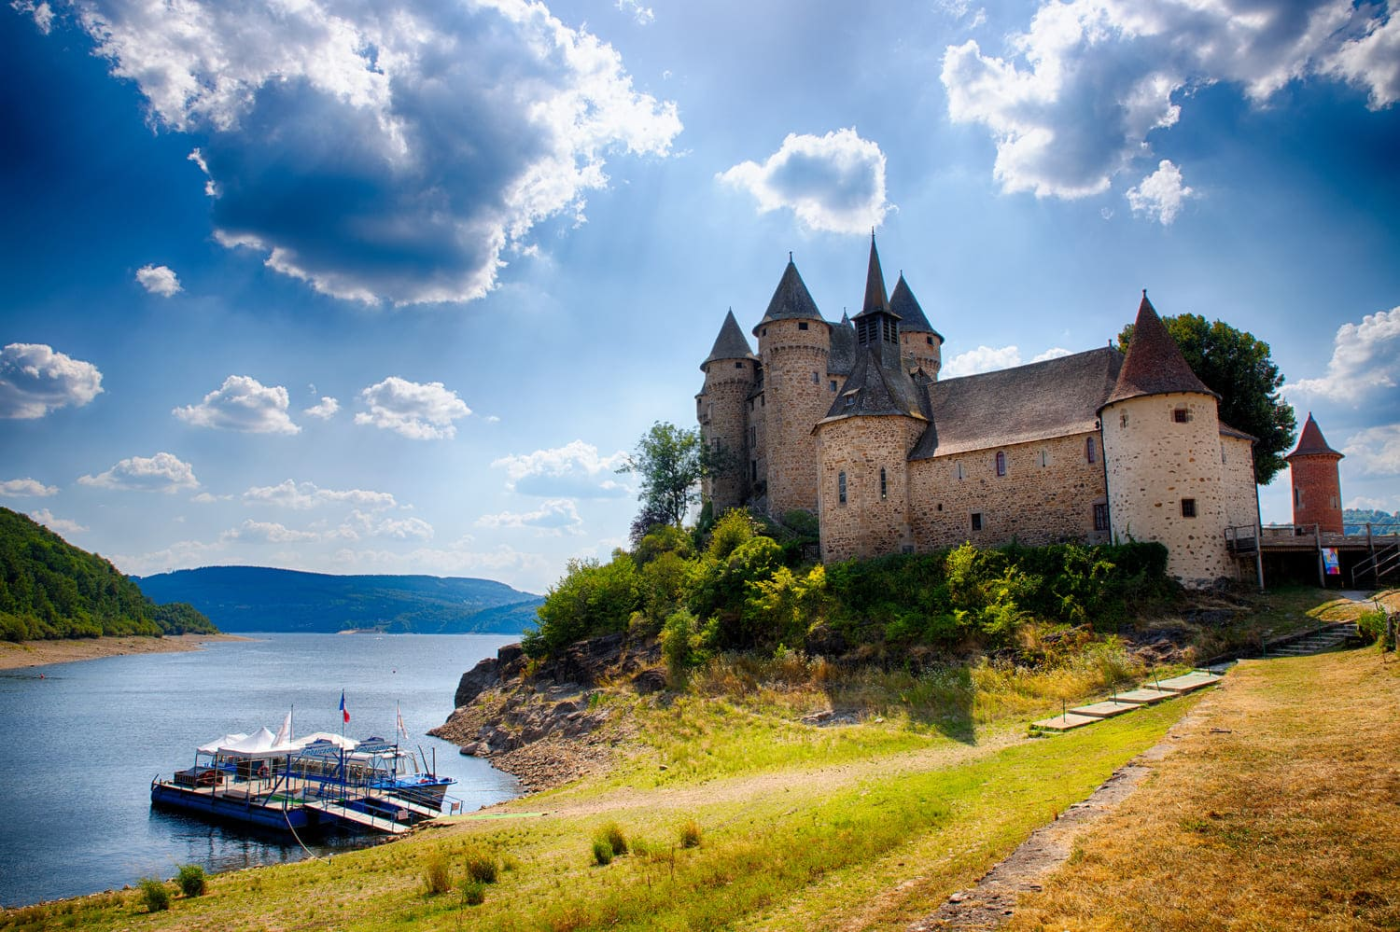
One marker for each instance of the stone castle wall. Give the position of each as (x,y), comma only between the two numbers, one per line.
(1154,463)
(874,519)
(795,386)
(924,349)
(723,423)
(1047,495)
(1317,492)
(1237,472)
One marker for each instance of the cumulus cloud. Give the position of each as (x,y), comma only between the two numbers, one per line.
(26,488)
(325,410)
(159,279)
(555,516)
(1365,361)
(1364,503)
(163,472)
(834,183)
(575,470)
(57,525)
(35,380)
(205,498)
(982,359)
(1161,194)
(644,15)
(384,152)
(303,495)
(42,13)
(1375,450)
(268,532)
(245,404)
(404,529)
(1073,100)
(417,411)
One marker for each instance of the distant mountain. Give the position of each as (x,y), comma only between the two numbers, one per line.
(51,589)
(254,598)
(1354,521)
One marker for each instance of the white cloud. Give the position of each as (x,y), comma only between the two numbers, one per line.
(834,183)
(417,411)
(163,472)
(1074,99)
(204,498)
(35,380)
(554,516)
(404,529)
(26,488)
(268,532)
(982,359)
(1365,360)
(57,525)
(159,279)
(245,404)
(303,495)
(42,13)
(1362,502)
(1376,450)
(325,410)
(520,567)
(575,470)
(450,130)
(1160,194)
(1055,352)
(644,15)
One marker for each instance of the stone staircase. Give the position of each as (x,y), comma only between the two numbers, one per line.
(1315,642)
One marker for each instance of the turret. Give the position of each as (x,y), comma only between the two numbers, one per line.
(794,342)
(1161,440)
(921,344)
(1317,481)
(730,372)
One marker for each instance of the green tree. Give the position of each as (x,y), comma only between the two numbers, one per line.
(670,463)
(1238,368)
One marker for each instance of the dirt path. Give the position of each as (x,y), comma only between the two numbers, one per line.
(41,653)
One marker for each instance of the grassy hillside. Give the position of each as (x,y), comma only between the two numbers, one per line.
(253,598)
(51,589)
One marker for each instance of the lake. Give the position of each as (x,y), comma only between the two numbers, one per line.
(78,748)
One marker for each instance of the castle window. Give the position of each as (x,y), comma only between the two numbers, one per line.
(1181,414)
(1001,463)
(977,520)
(841,488)
(802,325)
(816,379)
(958,470)
(1089,452)
(1298,498)
(884,488)
(1101,516)
(738,365)
(1123,419)
(765,332)
(753,436)
(1222,453)
(1044,459)
(1188,508)
(930,340)
(850,399)
(832,385)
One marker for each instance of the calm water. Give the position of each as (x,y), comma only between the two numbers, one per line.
(78,748)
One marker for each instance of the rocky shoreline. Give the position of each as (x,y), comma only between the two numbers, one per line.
(542,722)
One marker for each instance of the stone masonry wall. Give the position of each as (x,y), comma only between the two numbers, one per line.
(1047,495)
(868,523)
(1237,469)
(924,349)
(723,420)
(1154,463)
(795,383)
(1317,491)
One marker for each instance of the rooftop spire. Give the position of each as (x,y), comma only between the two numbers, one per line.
(1311,442)
(1154,364)
(906,307)
(791,299)
(875,297)
(730,344)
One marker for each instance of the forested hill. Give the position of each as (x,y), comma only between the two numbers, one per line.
(253,598)
(1381,522)
(51,589)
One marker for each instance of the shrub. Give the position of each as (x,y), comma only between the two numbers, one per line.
(191,879)
(473,892)
(690,834)
(734,529)
(602,851)
(678,646)
(436,878)
(154,894)
(1371,626)
(592,598)
(612,833)
(481,865)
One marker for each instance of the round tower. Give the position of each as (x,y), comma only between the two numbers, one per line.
(1317,481)
(921,345)
(793,344)
(730,371)
(1161,442)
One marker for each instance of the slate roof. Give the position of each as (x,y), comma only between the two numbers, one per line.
(1228,431)
(878,386)
(842,358)
(731,342)
(1154,364)
(1047,399)
(1311,442)
(791,300)
(876,301)
(906,307)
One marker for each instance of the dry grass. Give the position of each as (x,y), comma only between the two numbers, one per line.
(1279,810)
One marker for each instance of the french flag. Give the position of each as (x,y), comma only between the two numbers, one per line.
(344,711)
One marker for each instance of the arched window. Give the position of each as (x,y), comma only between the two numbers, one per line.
(841,488)
(1001,463)
(1089,453)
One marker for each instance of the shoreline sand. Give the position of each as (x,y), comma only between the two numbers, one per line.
(22,654)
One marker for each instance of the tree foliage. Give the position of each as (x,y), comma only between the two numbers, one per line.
(1238,368)
(51,589)
(667,460)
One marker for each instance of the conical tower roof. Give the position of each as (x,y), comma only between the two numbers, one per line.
(878,385)
(791,300)
(906,307)
(1311,442)
(731,342)
(876,301)
(1154,364)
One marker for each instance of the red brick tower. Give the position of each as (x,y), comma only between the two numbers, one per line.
(1317,483)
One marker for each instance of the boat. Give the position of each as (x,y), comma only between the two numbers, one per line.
(319,782)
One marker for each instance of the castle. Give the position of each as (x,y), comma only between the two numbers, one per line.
(849,421)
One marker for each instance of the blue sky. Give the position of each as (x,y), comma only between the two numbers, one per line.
(377,287)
